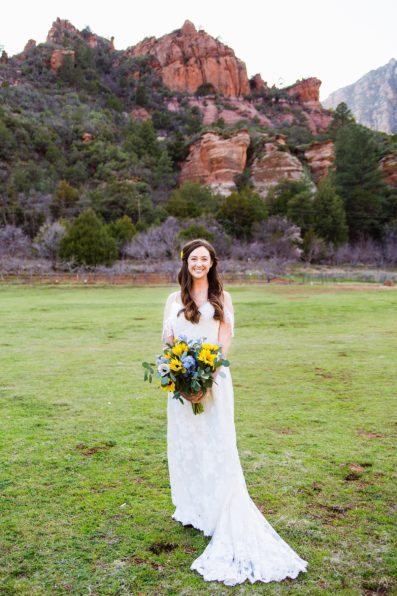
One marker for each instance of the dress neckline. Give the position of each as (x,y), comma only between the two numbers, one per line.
(182,306)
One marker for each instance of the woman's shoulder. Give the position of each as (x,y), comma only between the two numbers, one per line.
(227,300)
(173,297)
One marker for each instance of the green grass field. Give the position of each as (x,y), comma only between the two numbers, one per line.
(84,488)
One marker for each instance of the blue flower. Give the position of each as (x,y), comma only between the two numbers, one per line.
(189,362)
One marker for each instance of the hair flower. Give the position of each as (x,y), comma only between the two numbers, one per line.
(181,254)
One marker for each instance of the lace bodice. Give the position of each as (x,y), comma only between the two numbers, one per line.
(174,324)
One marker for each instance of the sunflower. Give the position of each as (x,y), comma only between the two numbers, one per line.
(206,356)
(169,387)
(179,349)
(176,365)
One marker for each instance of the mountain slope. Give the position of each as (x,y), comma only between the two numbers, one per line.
(372,99)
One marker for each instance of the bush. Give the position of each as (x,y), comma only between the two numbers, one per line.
(13,242)
(47,242)
(88,241)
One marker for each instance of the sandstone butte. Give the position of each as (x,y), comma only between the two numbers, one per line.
(215,161)
(187,59)
(62,29)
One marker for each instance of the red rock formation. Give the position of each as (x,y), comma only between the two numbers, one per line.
(306,91)
(58,56)
(140,114)
(62,29)
(187,58)
(258,84)
(388,166)
(92,41)
(215,161)
(29,46)
(320,156)
(270,168)
(87,137)
(238,109)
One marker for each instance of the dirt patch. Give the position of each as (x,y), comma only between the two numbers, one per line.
(87,451)
(369,434)
(161,547)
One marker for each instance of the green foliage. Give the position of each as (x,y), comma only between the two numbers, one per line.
(191,199)
(88,242)
(239,211)
(116,199)
(64,200)
(341,116)
(358,180)
(195,231)
(279,196)
(122,230)
(300,210)
(329,213)
(7,141)
(141,140)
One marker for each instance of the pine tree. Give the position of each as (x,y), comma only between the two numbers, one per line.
(329,217)
(341,117)
(358,180)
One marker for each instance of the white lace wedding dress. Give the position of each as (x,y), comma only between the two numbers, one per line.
(207,482)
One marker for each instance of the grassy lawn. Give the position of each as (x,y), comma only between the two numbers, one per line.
(84,490)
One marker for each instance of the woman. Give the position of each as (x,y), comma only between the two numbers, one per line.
(207,482)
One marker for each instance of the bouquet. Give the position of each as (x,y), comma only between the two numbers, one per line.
(186,366)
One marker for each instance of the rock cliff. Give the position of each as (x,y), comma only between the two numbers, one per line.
(372,99)
(187,59)
(215,161)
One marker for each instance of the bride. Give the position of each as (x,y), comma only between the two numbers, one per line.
(208,487)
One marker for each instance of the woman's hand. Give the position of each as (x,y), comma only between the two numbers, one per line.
(196,397)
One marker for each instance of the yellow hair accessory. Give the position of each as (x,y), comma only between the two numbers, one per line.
(181,254)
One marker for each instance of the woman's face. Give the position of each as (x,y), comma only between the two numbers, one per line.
(199,262)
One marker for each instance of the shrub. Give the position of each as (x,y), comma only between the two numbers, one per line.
(88,241)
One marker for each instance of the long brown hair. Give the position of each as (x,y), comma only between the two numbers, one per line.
(215,286)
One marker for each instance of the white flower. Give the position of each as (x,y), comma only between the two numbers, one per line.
(163,369)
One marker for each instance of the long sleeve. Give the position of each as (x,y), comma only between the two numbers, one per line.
(167,320)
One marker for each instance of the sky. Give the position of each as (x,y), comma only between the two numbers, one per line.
(336,41)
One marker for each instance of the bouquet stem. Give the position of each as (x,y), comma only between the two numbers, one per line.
(198,408)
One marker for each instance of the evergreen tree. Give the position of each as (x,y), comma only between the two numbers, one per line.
(149,138)
(239,211)
(329,214)
(278,197)
(358,180)
(191,199)
(163,175)
(88,242)
(300,210)
(340,117)
(122,230)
